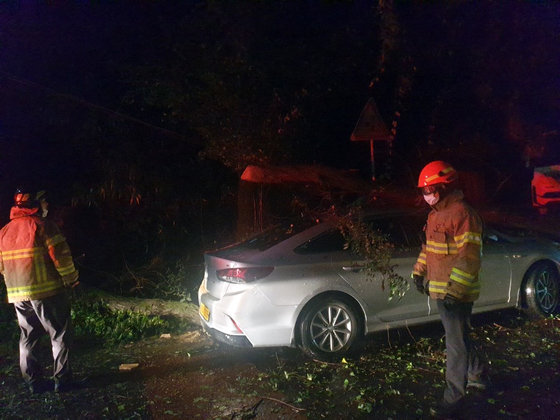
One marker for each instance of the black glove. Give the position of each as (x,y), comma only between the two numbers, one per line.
(76,291)
(419,282)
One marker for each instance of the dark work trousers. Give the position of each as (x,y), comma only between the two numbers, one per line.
(463,361)
(52,315)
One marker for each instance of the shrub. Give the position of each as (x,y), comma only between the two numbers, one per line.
(95,321)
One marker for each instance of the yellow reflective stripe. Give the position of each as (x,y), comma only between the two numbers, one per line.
(466,279)
(19,257)
(436,247)
(451,251)
(40,271)
(460,280)
(439,245)
(444,171)
(437,286)
(25,291)
(462,273)
(468,237)
(18,254)
(55,240)
(473,291)
(431,178)
(465,283)
(441,248)
(63,271)
(438,283)
(421,260)
(17,251)
(418,273)
(442,288)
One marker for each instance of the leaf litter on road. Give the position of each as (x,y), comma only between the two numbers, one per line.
(188,376)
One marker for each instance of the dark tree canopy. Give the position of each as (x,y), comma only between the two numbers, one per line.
(142,115)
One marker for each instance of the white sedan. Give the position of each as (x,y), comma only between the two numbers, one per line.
(301,287)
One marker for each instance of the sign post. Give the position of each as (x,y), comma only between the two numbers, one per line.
(370,127)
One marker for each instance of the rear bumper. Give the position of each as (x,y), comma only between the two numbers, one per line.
(544,200)
(246,317)
(232,340)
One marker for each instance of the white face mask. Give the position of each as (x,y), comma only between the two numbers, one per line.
(44,208)
(431,199)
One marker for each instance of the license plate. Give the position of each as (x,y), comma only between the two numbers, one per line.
(204,311)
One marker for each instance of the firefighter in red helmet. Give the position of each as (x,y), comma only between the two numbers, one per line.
(447,270)
(37,266)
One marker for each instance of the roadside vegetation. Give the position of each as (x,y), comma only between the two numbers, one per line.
(97,322)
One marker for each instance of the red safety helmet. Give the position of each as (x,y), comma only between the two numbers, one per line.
(24,197)
(437,172)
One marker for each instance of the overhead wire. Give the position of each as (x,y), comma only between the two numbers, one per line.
(88,104)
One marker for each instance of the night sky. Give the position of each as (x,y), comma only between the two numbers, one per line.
(480,73)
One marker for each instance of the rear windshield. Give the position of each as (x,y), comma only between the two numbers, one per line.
(329,241)
(274,235)
(403,232)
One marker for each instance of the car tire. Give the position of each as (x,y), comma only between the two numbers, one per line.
(330,328)
(542,290)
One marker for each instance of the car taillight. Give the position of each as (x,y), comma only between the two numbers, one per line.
(243,274)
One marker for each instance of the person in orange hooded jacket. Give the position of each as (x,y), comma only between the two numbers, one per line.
(38,268)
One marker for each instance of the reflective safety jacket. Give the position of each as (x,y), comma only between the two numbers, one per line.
(34,257)
(450,258)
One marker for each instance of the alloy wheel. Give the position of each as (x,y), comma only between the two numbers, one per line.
(546,291)
(331,328)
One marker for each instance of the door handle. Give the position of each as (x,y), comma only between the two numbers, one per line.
(355,268)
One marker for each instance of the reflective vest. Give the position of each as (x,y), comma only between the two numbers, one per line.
(34,257)
(450,258)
